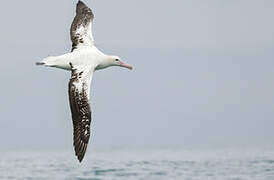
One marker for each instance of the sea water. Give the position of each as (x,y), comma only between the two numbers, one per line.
(156,164)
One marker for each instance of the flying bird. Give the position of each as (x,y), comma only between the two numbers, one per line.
(83,60)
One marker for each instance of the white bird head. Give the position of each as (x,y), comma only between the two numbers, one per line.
(116,61)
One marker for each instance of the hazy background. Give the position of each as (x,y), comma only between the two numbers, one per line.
(203,74)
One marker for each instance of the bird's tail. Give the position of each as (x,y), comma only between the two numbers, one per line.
(48,61)
(40,63)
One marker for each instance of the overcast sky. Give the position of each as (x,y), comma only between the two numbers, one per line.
(203,74)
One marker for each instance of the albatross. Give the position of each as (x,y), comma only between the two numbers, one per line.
(83,60)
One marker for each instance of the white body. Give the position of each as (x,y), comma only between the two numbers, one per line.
(88,56)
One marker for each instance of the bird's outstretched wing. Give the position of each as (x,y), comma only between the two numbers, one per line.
(79,96)
(81,27)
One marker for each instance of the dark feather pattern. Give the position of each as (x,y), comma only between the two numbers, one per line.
(83,19)
(80,109)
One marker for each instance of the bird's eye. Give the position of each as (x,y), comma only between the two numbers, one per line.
(116,59)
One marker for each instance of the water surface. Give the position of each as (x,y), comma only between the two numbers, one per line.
(160,164)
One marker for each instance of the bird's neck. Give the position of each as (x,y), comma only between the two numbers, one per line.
(104,63)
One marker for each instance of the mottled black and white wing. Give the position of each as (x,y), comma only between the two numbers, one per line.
(81,27)
(79,96)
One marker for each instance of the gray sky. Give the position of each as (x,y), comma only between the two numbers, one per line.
(203,73)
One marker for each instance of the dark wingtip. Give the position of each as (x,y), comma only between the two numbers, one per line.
(80,159)
(80,6)
(80,152)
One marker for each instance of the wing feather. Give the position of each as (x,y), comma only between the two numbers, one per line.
(81,27)
(79,96)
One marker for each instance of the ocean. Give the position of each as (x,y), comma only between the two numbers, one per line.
(156,164)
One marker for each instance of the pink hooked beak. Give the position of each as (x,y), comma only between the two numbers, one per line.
(122,64)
